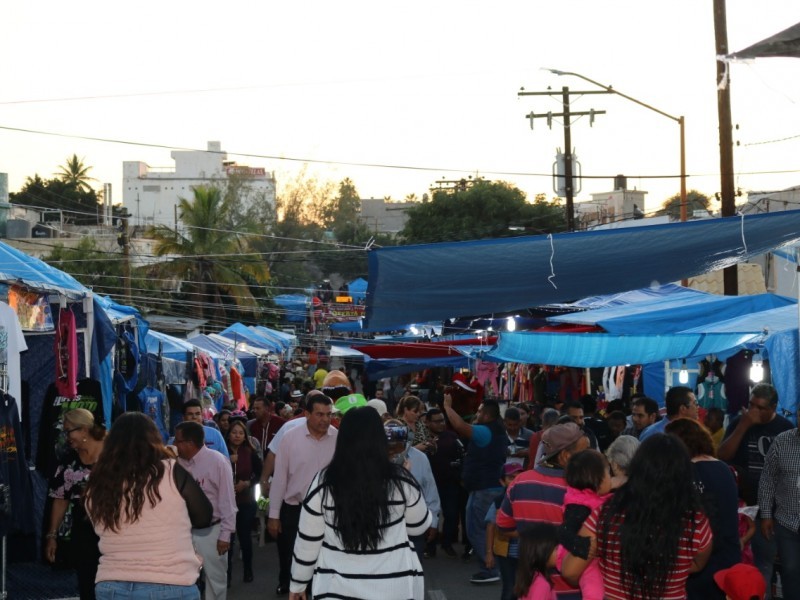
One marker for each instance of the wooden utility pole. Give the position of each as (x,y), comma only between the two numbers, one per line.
(727,191)
(124,241)
(567,116)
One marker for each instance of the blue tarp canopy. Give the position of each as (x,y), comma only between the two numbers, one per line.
(221,349)
(295,306)
(491,276)
(678,312)
(16,266)
(358,289)
(171,347)
(241,333)
(286,340)
(605,349)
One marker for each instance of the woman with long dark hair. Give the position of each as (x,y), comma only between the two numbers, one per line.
(246,466)
(652,532)
(357,518)
(143,506)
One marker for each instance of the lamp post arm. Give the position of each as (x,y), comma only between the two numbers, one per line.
(611,90)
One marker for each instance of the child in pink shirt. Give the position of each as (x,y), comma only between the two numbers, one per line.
(538,545)
(588,476)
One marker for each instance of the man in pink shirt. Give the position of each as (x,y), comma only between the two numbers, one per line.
(304,451)
(213,473)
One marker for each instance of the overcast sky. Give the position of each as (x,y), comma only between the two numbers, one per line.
(428,89)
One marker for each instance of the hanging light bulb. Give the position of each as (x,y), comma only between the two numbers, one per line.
(511,324)
(756,368)
(683,374)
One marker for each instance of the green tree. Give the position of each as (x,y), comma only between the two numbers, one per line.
(213,263)
(75,173)
(95,268)
(483,210)
(77,205)
(694,201)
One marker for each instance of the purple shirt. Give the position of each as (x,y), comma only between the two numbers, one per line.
(301,457)
(213,473)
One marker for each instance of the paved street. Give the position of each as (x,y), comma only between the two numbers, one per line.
(445,578)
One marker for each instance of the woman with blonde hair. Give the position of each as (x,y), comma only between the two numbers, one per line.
(143,506)
(68,522)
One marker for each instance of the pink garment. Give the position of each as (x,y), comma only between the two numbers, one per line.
(540,590)
(488,371)
(66,354)
(591,581)
(157,548)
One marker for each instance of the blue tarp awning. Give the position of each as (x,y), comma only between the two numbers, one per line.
(286,340)
(358,289)
(171,347)
(427,282)
(241,333)
(16,266)
(671,314)
(604,349)
(295,306)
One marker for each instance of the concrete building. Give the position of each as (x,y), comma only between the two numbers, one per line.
(616,207)
(780,266)
(384,216)
(151,194)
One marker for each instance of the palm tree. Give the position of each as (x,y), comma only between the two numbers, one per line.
(206,254)
(76,173)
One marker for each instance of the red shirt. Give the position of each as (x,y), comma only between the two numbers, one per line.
(265,433)
(675,588)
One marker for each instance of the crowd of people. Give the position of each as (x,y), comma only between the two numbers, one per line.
(558,500)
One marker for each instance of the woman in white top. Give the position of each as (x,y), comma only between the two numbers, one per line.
(356,521)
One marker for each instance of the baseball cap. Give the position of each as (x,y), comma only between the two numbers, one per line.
(378,405)
(558,438)
(741,582)
(345,403)
(512,468)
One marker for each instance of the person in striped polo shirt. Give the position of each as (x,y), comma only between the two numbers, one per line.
(537,495)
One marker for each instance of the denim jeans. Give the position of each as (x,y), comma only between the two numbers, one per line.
(477,507)
(132,590)
(764,551)
(789,553)
(508,575)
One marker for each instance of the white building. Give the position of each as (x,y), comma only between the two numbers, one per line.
(151,194)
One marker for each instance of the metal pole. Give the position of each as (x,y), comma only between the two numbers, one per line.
(684,208)
(680,120)
(568,160)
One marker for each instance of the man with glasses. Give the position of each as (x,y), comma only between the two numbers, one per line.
(745,445)
(215,477)
(680,402)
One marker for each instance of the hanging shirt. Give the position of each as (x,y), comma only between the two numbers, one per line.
(151,401)
(12,342)
(66,349)
(52,448)
(14,471)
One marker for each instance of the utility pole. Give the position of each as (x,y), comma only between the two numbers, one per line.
(567,115)
(124,241)
(728,195)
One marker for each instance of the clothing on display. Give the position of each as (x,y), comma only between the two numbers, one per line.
(12,342)
(16,496)
(711,383)
(151,401)
(52,447)
(66,350)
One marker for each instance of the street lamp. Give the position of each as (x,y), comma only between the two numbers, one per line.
(680,120)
